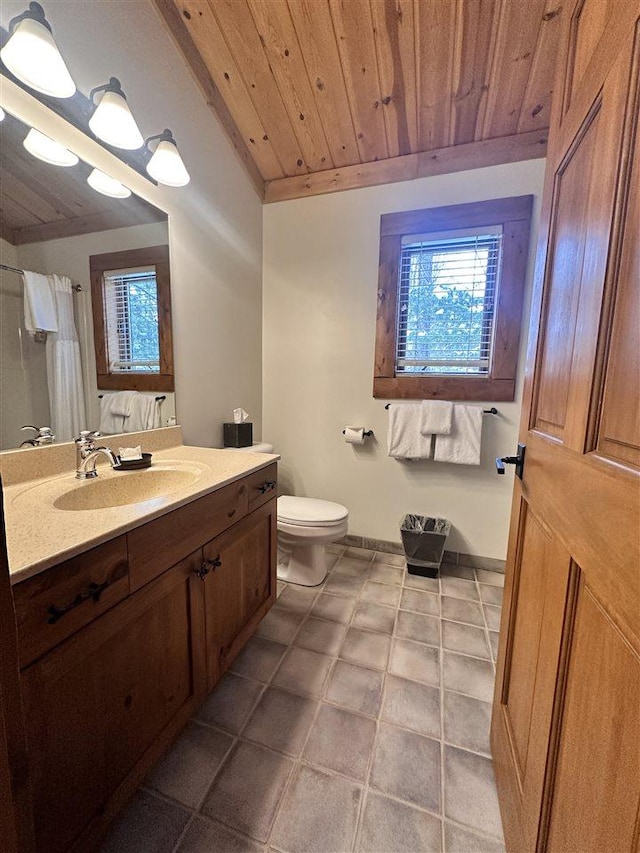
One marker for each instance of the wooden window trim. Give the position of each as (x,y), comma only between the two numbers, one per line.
(157,256)
(514,215)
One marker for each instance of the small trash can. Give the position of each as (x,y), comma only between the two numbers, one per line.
(423,539)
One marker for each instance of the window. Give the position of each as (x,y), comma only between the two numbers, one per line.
(451,287)
(132,319)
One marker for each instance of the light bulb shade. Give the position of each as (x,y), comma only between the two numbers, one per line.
(107,185)
(166,166)
(49,150)
(113,123)
(32,55)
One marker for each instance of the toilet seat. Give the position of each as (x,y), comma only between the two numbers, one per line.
(310,512)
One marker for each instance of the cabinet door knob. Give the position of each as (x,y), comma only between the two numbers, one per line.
(93,593)
(267,486)
(206,566)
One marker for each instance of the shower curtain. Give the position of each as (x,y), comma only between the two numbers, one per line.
(64,367)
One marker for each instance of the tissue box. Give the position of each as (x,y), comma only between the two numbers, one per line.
(237,435)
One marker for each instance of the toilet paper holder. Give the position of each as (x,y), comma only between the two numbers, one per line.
(367,433)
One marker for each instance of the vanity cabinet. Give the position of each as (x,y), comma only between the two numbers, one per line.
(109,684)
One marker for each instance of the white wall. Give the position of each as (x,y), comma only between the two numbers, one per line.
(215,223)
(320,277)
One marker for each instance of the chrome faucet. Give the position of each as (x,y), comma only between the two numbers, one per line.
(43,436)
(87,455)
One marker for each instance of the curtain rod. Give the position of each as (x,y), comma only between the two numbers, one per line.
(76,287)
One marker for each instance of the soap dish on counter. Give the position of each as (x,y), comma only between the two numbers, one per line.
(134,464)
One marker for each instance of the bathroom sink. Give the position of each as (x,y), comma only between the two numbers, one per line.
(124,489)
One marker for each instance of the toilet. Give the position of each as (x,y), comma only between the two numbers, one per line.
(305,527)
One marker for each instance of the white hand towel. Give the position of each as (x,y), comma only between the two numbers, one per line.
(121,402)
(435,417)
(404,439)
(39,303)
(110,422)
(144,414)
(462,446)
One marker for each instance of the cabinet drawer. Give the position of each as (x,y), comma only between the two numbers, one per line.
(162,543)
(262,485)
(58,602)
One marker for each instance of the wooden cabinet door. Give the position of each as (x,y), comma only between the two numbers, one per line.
(240,585)
(99,701)
(566,720)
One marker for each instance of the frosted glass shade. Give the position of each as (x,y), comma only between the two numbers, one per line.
(113,123)
(166,165)
(32,55)
(49,150)
(107,185)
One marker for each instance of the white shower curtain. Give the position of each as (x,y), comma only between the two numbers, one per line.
(64,367)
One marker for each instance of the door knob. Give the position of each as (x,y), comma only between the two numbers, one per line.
(517,460)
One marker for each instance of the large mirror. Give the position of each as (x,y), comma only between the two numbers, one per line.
(61,240)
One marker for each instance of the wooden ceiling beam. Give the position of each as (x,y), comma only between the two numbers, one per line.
(455,158)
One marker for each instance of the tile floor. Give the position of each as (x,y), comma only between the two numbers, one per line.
(357,718)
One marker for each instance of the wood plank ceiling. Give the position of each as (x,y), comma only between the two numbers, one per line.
(322,95)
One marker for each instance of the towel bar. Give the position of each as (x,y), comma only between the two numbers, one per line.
(491,411)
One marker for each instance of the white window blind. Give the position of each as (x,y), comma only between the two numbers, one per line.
(447,287)
(131,318)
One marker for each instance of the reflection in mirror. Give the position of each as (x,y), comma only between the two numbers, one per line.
(51,223)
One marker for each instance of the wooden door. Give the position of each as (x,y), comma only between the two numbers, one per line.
(97,703)
(240,586)
(566,718)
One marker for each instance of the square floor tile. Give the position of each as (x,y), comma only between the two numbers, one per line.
(407,766)
(460,610)
(359,553)
(447,570)
(280,587)
(459,839)
(281,721)
(344,584)
(381,593)
(467,722)
(303,671)
(492,615)
(321,636)
(459,588)
(366,648)
(335,608)
(351,567)
(147,823)
(334,548)
(411,705)
(298,599)
(205,836)
(493,578)
(280,625)
(418,582)
(415,626)
(415,661)
(259,659)
(465,639)
(341,741)
(356,688)
(420,602)
(381,573)
(230,702)
(375,617)
(248,789)
(470,791)
(394,827)
(389,559)
(491,594)
(494,639)
(319,813)
(186,771)
(468,675)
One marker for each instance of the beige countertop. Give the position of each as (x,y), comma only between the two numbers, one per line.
(41,534)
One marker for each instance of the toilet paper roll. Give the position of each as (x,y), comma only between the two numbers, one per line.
(354,435)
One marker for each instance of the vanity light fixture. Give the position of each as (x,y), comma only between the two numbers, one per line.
(32,55)
(107,185)
(112,121)
(166,165)
(49,150)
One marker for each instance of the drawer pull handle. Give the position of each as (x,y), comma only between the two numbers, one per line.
(207,566)
(93,593)
(267,486)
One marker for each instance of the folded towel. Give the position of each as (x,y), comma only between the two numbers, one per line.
(462,446)
(435,417)
(404,439)
(121,402)
(39,303)
(110,422)
(144,413)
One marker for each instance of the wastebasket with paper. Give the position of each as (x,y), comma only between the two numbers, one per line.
(423,539)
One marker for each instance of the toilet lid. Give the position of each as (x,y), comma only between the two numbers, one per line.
(310,511)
